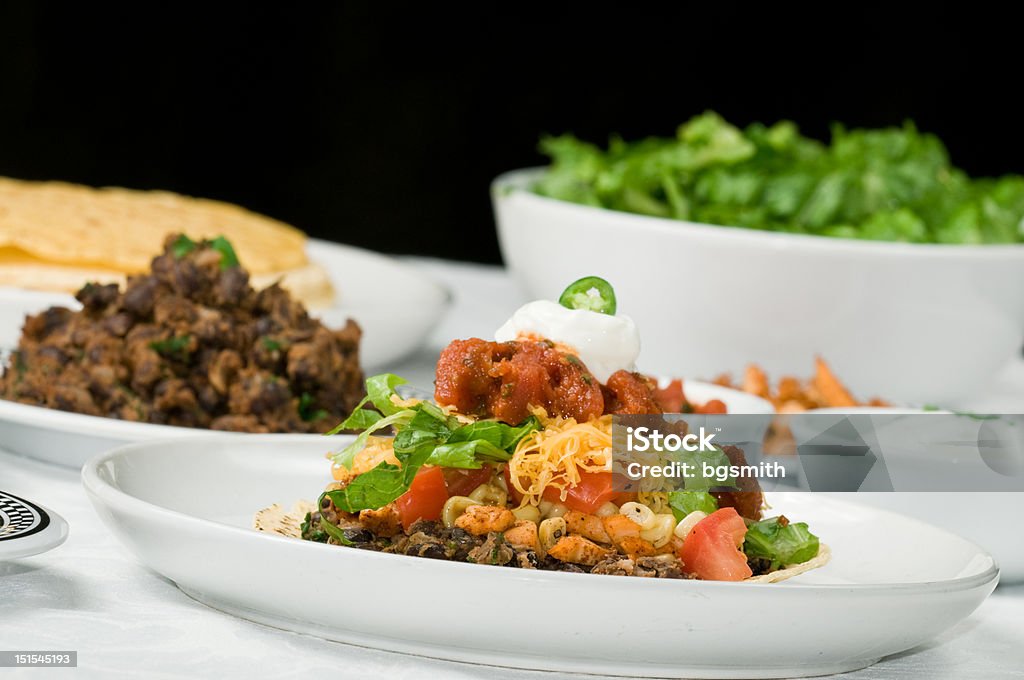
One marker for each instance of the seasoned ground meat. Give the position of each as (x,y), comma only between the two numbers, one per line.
(748,499)
(615,565)
(494,550)
(659,566)
(433,540)
(189,344)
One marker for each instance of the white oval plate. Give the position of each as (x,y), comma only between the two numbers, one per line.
(395,304)
(185,510)
(28,529)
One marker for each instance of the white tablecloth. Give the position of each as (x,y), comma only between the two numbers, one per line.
(92,596)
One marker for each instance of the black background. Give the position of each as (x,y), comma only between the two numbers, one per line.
(382,127)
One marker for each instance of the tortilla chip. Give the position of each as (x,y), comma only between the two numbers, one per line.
(832,391)
(793,395)
(755,382)
(276,520)
(819,560)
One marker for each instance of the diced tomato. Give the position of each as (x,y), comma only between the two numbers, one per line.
(593,490)
(712,407)
(513,492)
(712,550)
(425,498)
(623,497)
(462,482)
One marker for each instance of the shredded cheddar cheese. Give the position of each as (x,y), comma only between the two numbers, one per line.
(404,403)
(555,456)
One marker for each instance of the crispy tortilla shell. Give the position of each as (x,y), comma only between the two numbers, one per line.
(819,560)
(277,520)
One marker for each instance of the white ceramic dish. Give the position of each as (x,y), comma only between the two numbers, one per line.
(184,510)
(736,401)
(992,520)
(911,323)
(395,304)
(28,529)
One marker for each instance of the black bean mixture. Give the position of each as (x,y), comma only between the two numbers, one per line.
(189,344)
(434,540)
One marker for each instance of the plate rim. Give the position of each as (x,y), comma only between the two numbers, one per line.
(113,496)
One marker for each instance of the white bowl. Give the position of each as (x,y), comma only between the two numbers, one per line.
(736,401)
(908,322)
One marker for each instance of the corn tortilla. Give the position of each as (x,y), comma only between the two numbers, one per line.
(122,229)
(56,236)
(277,520)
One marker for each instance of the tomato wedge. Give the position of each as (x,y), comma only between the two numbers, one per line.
(425,498)
(513,492)
(462,482)
(712,550)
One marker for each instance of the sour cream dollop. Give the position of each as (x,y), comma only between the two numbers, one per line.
(603,342)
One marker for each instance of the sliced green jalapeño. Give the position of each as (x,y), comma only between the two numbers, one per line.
(591,293)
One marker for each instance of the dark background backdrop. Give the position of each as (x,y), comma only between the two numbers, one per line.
(382,128)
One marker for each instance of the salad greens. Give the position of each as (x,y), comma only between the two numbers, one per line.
(780,542)
(685,502)
(893,184)
(424,435)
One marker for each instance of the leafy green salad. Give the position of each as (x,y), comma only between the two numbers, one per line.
(893,184)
